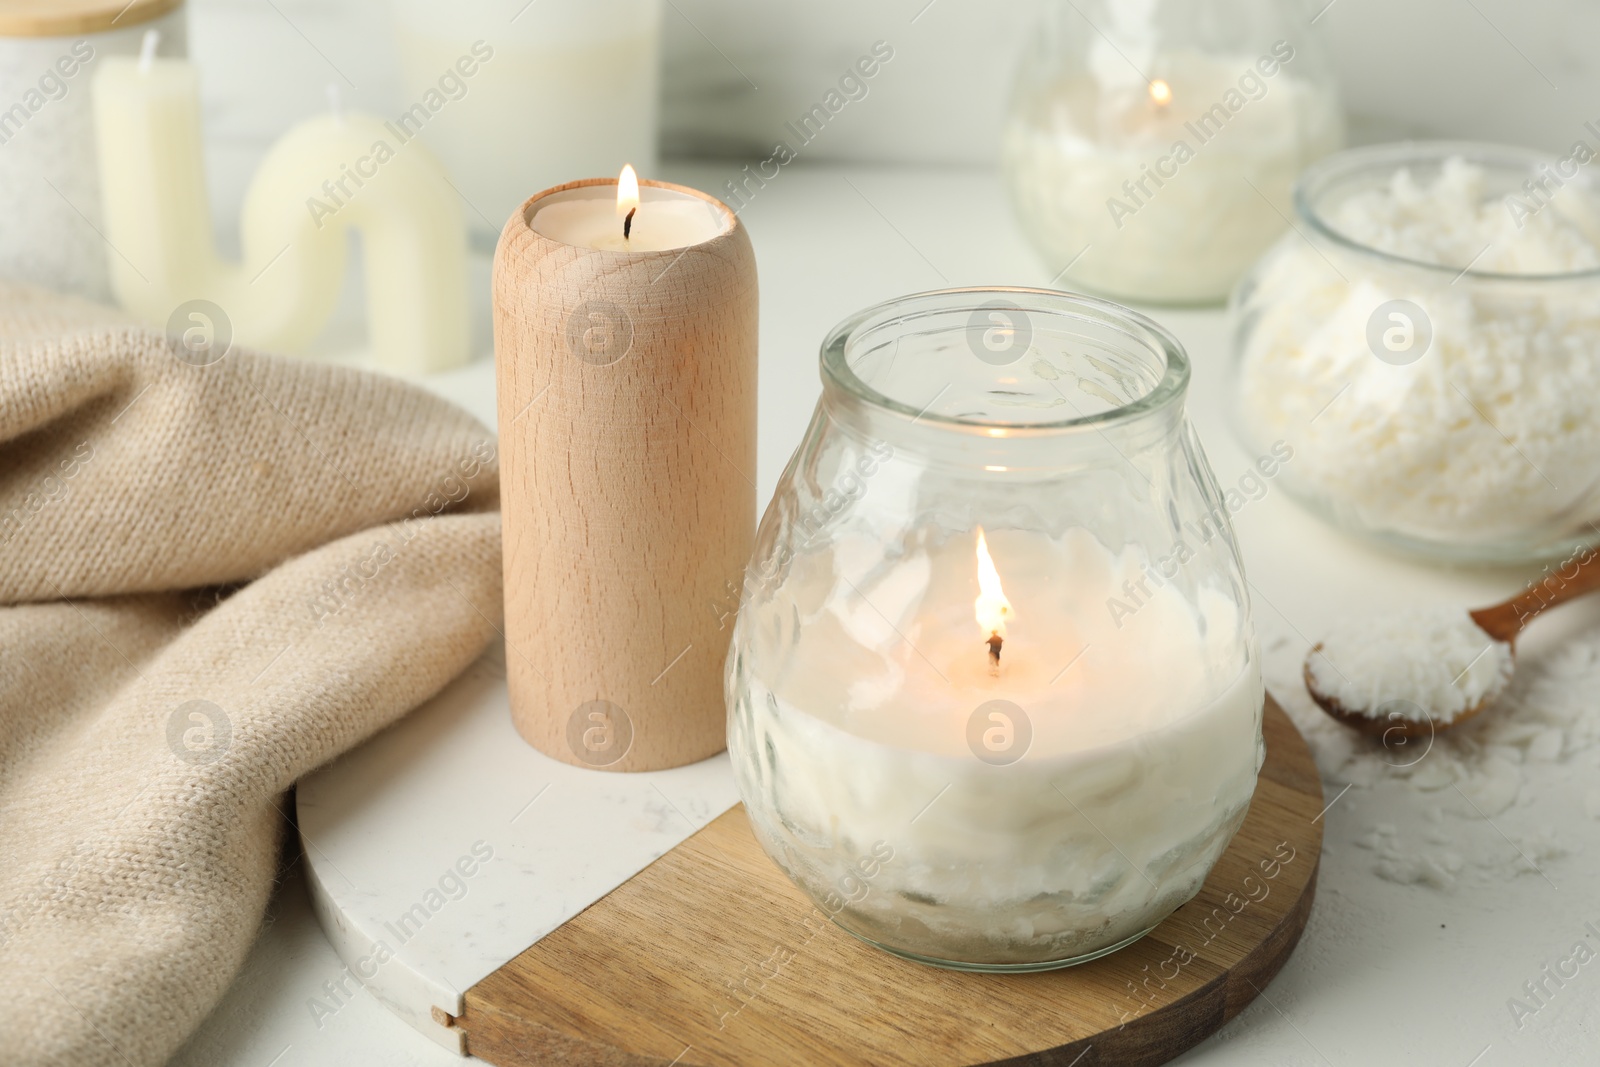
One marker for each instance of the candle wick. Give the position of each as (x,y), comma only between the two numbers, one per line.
(994,641)
(627,224)
(147,50)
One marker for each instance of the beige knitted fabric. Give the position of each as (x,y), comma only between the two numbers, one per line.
(150,722)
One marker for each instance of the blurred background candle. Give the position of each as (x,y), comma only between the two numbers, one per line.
(327,175)
(569,92)
(49,183)
(1152,161)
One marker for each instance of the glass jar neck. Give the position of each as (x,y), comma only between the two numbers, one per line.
(1005,379)
(1003,450)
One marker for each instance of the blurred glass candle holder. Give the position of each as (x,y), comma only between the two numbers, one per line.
(1151,146)
(49,181)
(557,88)
(994,698)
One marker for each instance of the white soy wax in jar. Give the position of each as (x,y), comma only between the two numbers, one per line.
(1425,342)
(994,698)
(1057,809)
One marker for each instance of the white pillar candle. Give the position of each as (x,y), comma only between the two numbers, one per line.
(325,176)
(1123,757)
(569,89)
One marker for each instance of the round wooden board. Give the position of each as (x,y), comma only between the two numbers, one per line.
(710,956)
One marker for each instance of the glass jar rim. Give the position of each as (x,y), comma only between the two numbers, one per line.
(1387,158)
(1169,389)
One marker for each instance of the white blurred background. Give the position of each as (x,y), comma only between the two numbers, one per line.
(735,70)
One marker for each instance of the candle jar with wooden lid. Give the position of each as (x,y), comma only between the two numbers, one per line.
(49,177)
(994,696)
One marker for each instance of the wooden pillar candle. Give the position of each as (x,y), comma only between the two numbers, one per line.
(625,342)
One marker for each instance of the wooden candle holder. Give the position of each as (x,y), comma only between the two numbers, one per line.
(627,412)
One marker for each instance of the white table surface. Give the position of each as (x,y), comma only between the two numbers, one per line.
(1385,974)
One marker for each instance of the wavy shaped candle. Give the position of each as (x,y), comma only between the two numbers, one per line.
(324,177)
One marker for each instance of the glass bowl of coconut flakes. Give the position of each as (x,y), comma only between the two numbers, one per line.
(1427,342)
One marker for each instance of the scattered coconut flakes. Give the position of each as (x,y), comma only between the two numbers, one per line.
(1458,807)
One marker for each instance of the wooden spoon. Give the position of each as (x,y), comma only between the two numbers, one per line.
(1503,622)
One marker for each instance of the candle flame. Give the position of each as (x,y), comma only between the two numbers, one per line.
(1161,92)
(627,190)
(993,609)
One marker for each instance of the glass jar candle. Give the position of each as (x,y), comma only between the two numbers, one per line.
(49,172)
(994,698)
(1151,145)
(1428,343)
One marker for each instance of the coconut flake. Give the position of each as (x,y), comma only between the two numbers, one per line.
(1430,663)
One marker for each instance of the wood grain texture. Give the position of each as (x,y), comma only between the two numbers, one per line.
(61,18)
(627,411)
(710,956)
(1577,575)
